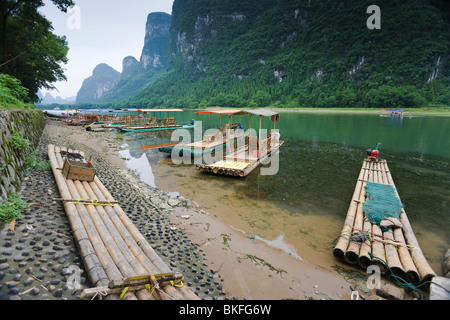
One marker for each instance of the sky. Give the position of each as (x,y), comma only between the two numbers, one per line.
(99,31)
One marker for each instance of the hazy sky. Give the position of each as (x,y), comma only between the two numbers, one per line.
(100,31)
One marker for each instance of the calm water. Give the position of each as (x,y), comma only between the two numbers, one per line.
(305,203)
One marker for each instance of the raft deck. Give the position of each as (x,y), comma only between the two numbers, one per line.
(112,248)
(153,128)
(239,163)
(396,248)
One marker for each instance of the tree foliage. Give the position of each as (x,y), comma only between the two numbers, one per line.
(29,50)
(12,93)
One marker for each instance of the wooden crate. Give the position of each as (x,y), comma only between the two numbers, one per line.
(77,170)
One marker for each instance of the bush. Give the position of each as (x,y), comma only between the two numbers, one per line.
(18,142)
(12,94)
(12,208)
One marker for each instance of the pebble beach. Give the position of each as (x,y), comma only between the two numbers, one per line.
(36,256)
(218,261)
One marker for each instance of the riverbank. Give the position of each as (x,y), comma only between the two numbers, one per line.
(430,111)
(410,111)
(217,260)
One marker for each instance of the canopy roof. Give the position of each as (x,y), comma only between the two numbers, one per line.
(221,112)
(262,112)
(160,110)
(259,112)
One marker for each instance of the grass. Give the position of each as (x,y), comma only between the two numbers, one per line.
(10,106)
(12,208)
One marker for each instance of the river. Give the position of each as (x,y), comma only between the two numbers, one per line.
(304,205)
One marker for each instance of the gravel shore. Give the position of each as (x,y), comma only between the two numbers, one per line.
(217,260)
(34,259)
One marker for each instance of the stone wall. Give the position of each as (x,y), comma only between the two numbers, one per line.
(29,124)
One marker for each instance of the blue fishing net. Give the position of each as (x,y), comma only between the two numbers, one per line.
(381,203)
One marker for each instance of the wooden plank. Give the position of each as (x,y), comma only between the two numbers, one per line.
(159,145)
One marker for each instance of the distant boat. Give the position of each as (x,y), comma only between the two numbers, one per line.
(241,161)
(61,113)
(146,122)
(211,142)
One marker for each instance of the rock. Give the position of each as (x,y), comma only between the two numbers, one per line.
(446,264)
(390,291)
(58,293)
(173,202)
(155,200)
(164,206)
(28,281)
(4,266)
(35,291)
(14,291)
(436,290)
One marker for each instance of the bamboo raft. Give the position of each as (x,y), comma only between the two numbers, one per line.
(398,247)
(240,163)
(111,247)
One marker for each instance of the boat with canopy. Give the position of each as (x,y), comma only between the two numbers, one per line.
(212,141)
(242,158)
(147,120)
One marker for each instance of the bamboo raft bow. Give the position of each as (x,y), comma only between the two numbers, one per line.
(363,243)
(152,283)
(110,245)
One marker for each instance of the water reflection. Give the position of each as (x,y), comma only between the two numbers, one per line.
(319,164)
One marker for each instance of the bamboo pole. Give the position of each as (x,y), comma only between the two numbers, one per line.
(101,250)
(352,253)
(377,244)
(117,250)
(364,259)
(135,255)
(392,258)
(344,238)
(425,271)
(391,253)
(132,256)
(99,189)
(114,241)
(366,247)
(411,272)
(93,266)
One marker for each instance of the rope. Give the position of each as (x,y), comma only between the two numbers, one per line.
(371,236)
(102,294)
(93,202)
(407,286)
(151,288)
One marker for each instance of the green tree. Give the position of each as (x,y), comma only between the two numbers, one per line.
(261,98)
(12,94)
(29,50)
